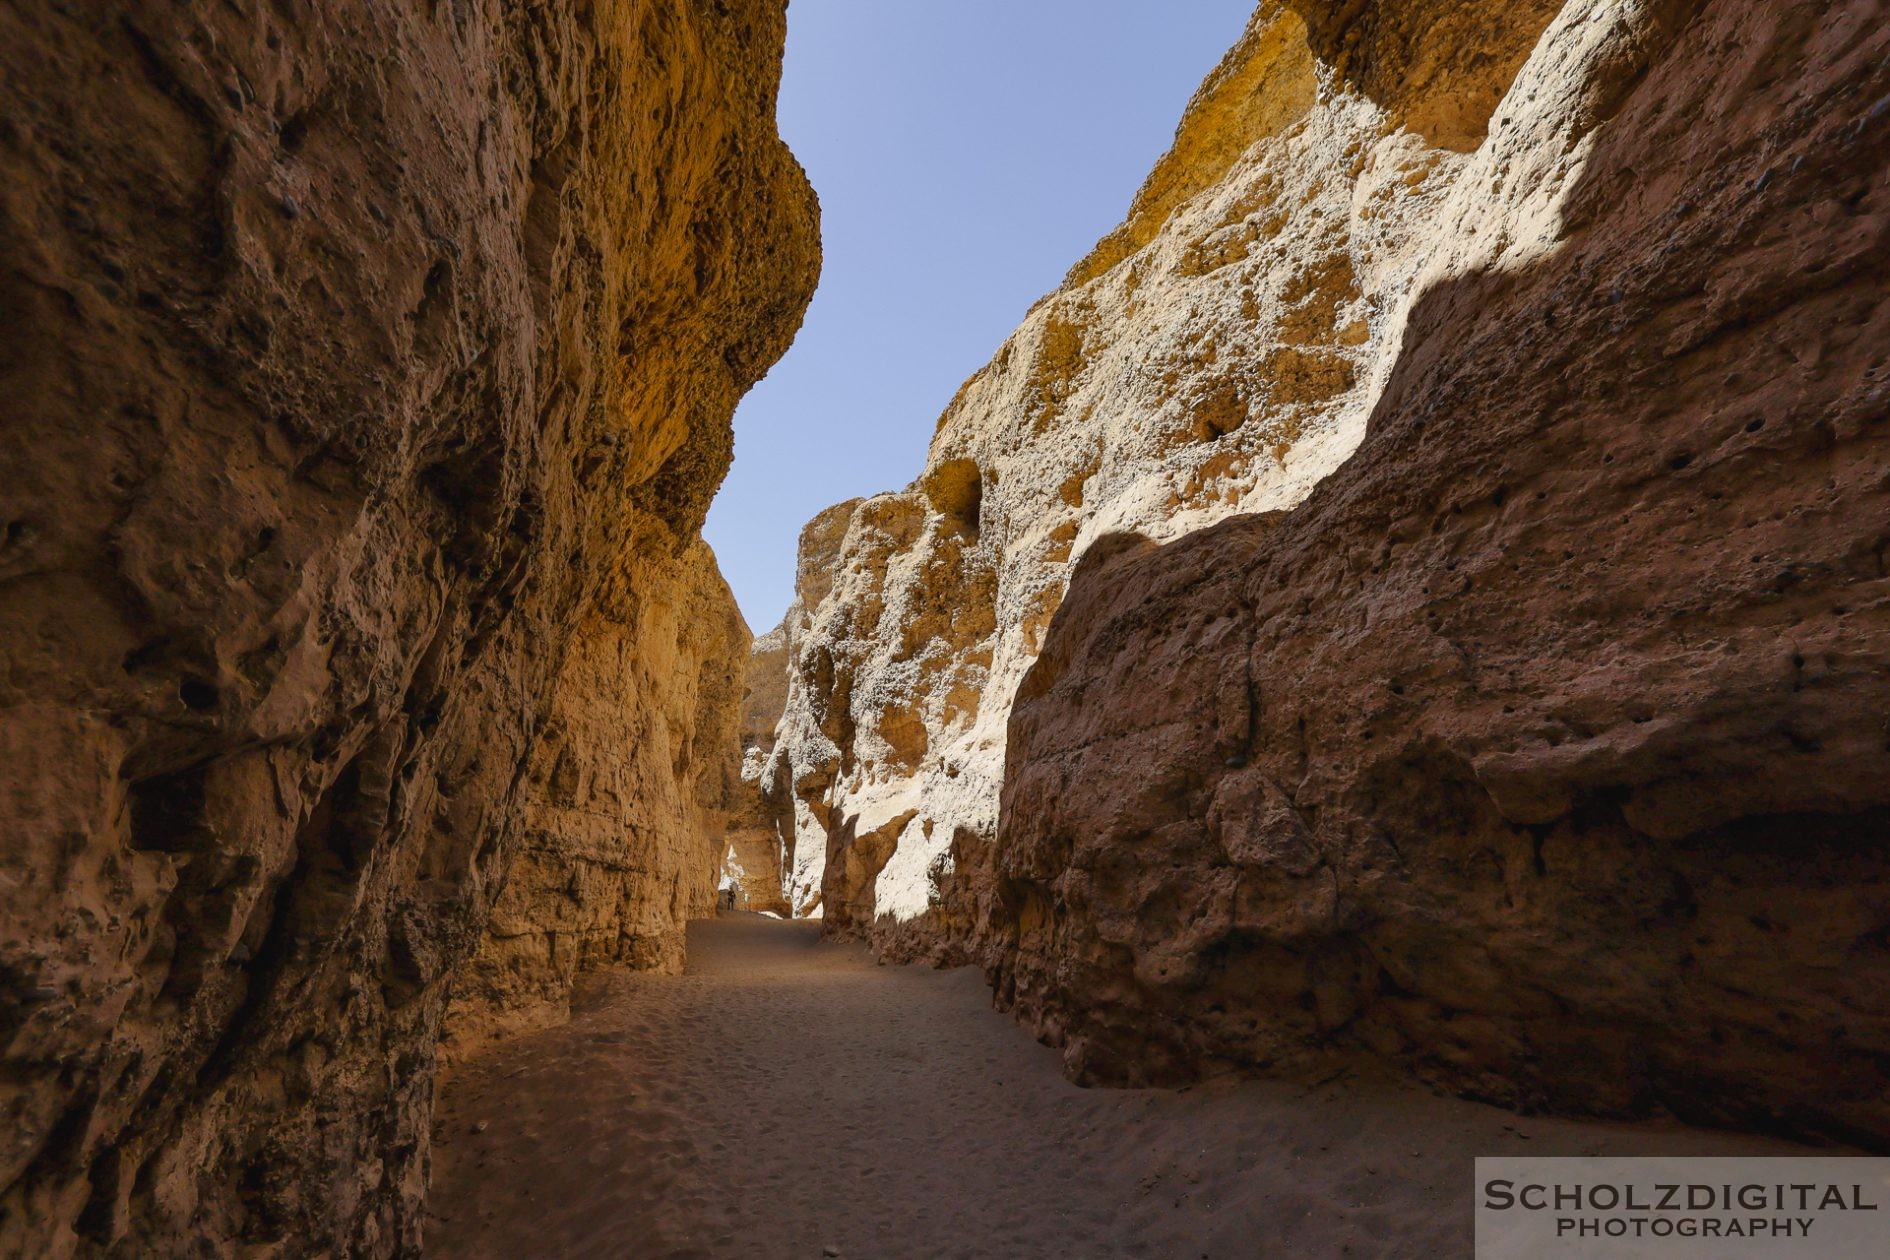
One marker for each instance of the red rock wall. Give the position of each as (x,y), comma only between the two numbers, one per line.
(348,349)
(1542,752)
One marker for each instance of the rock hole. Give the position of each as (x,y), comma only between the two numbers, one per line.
(1219,414)
(294,132)
(167,812)
(435,296)
(956,491)
(197,695)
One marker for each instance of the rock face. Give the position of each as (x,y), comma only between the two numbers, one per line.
(1216,354)
(626,795)
(795,795)
(1540,751)
(368,371)
(760,820)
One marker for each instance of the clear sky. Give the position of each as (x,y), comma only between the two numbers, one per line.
(967,153)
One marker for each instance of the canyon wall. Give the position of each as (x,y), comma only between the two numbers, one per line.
(625,797)
(1216,354)
(1540,750)
(369,368)
(759,820)
(796,778)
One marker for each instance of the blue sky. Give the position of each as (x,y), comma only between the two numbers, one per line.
(967,153)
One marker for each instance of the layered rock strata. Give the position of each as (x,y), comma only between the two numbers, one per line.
(1540,749)
(368,369)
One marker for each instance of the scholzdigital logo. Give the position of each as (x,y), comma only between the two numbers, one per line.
(1830,1208)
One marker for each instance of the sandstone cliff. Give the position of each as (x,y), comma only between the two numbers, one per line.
(1218,353)
(759,820)
(1540,751)
(625,797)
(781,787)
(368,368)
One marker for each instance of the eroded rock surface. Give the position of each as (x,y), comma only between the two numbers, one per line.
(793,792)
(1541,750)
(1217,354)
(625,798)
(759,821)
(368,369)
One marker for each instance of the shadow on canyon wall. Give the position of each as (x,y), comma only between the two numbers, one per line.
(1541,752)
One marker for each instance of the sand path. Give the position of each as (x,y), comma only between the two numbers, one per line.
(786,1095)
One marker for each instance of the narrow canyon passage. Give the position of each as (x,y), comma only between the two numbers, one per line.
(1406,609)
(786,1095)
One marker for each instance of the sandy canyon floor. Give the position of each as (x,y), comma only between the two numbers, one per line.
(788,1097)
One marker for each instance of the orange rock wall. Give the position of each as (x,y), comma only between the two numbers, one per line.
(365,364)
